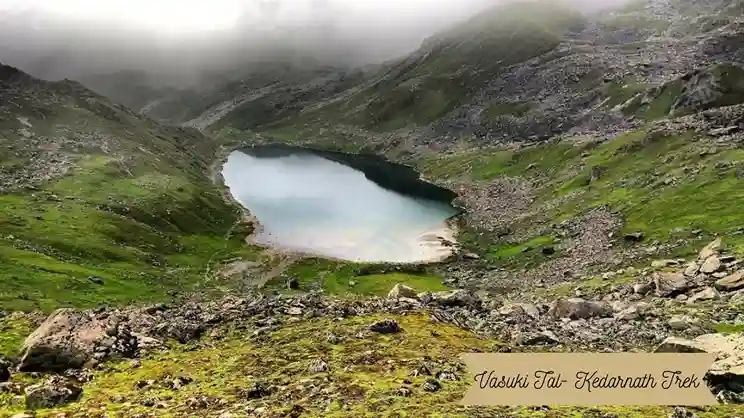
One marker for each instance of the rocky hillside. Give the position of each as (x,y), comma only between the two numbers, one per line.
(598,159)
(99,204)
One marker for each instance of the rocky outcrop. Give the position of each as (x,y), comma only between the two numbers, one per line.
(402,291)
(726,375)
(578,308)
(70,339)
(53,391)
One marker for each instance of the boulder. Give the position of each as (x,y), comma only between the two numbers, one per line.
(453,298)
(711,249)
(680,345)
(663,263)
(577,308)
(633,312)
(541,338)
(731,282)
(55,390)
(641,288)
(692,269)
(402,291)
(386,326)
(67,339)
(727,372)
(519,309)
(711,265)
(708,293)
(4,371)
(670,284)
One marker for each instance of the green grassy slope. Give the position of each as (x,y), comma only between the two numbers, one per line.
(663,185)
(135,218)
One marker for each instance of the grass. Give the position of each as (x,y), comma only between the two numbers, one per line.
(657,182)
(660,106)
(364,375)
(620,92)
(345,278)
(13,331)
(145,236)
(135,219)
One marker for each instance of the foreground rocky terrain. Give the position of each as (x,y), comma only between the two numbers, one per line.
(598,160)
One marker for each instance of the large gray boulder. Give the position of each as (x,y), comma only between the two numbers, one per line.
(727,372)
(577,308)
(402,291)
(67,339)
(670,284)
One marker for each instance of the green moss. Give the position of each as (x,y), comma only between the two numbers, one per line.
(345,278)
(660,106)
(380,284)
(621,91)
(364,374)
(13,331)
(145,227)
(729,328)
(658,183)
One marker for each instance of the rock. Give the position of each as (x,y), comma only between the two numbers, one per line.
(541,338)
(294,311)
(431,385)
(293,283)
(663,263)
(95,280)
(679,345)
(711,265)
(692,269)
(453,298)
(67,339)
(518,309)
(670,284)
(737,298)
(332,338)
(577,308)
(22,416)
(403,391)
(632,312)
(55,390)
(734,281)
(641,288)
(634,237)
(4,371)
(319,366)
(255,390)
(708,293)
(471,256)
(728,369)
(402,291)
(711,249)
(386,326)
(548,250)
(680,412)
(680,322)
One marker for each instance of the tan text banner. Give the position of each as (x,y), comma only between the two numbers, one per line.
(586,379)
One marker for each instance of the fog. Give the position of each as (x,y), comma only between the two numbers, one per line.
(176,41)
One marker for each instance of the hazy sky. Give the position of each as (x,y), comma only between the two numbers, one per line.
(178,39)
(61,38)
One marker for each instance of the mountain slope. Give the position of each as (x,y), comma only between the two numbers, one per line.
(100,204)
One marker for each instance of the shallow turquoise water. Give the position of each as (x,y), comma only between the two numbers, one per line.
(310,204)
